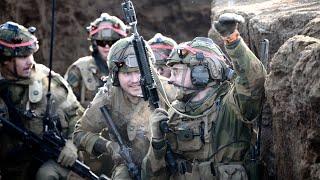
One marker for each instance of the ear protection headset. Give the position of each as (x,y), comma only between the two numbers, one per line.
(200,74)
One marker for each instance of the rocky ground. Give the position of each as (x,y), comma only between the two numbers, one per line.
(291,119)
(179,19)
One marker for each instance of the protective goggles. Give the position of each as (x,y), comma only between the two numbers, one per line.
(186,50)
(115,28)
(130,61)
(160,51)
(104,43)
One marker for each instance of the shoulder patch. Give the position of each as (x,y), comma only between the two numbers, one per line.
(87,69)
(72,79)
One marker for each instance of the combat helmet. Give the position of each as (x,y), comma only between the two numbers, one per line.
(16,40)
(161,47)
(122,58)
(205,59)
(107,27)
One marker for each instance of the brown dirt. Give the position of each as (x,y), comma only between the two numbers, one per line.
(291,87)
(290,126)
(180,19)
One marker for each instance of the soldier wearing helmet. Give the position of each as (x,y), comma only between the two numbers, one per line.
(161,47)
(209,123)
(123,98)
(24,85)
(87,74)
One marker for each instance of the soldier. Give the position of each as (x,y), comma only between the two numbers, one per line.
(161,47)
(127,108)
(209,123)
(87,74)
(24,85)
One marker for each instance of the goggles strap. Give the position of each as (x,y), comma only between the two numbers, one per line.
(161,46)
(10,45)
(108,26)
(205,53)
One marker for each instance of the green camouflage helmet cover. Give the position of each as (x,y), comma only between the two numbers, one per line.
(185,53)
(161,47)
(107,27)
(122,58)
(16,40)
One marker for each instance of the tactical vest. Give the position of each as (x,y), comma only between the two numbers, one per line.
(131,120)
(29,98)
(90,78)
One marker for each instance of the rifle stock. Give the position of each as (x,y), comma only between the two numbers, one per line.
(49,146)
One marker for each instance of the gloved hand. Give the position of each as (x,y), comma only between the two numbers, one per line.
(227,23)
(113,149)
(69,154)
(156,118)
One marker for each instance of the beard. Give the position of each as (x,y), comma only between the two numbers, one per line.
(184,94)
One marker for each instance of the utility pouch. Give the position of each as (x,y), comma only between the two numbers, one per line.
(185,134)
(188,136)
(231,171)
(188,141)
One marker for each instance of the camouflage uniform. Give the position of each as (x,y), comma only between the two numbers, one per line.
(26,105)
(87,74)
(130,117)
(161,47)
(212,135)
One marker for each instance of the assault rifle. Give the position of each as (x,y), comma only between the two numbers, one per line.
(49,146)
(125,151)
(147,82)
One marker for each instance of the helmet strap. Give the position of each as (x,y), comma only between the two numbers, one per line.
(100,62)
(94,45)
(115,78)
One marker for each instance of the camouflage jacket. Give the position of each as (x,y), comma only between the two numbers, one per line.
(217,129)
(29,100)
(85,79)
(130,118)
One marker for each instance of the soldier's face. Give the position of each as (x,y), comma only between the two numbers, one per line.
(181,76)
(130,83)
(22,66)
(104,50)
(164,71)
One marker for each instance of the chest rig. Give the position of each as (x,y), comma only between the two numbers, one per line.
(26,99)
(91,78)
(191,134)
